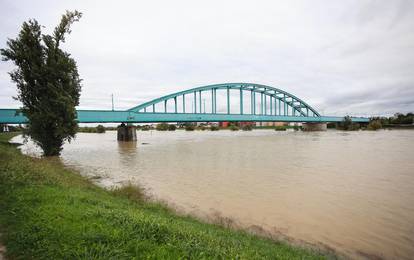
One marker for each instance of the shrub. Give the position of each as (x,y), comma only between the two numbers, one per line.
(280,128)
(374,125)
(171,127)
(233,127)
(355,126)
(331,126)
(87,129)
(100,129)
(146,128)
(189,127)
(247,128)
(201,127)
(162,127)
(214,128)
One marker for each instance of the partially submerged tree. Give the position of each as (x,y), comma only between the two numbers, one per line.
(48,82)
(100,129)
(374,125)
(348,125)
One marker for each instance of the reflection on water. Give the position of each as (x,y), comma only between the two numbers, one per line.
(351,191)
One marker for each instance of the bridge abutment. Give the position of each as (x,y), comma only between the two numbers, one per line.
(127,133)
(314,127)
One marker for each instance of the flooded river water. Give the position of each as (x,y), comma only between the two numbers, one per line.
(351,191)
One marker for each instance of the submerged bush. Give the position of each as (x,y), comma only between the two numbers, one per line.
(100,129)
(201,127)
(146,128)
(234,127)
(162,127)
(247,128)
(214,128)
(348,125)
(374,125)
(87,129)
(171,127)
(189,127)
(280,128)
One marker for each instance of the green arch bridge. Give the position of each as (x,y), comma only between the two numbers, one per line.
(254,102)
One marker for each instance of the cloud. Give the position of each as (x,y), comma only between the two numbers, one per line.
(340,57)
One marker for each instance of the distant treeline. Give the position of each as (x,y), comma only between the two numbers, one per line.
(97,129)
(397,119)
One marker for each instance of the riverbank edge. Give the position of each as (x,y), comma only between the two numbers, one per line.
(50,211)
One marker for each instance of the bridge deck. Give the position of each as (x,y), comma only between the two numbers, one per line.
(10,116)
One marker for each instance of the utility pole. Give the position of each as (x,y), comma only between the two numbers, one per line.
(112,102)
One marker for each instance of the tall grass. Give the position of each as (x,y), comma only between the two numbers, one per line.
(130,191)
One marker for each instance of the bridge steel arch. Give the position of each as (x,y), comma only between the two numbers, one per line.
(292,105)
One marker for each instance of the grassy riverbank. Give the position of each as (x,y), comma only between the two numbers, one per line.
(51,212)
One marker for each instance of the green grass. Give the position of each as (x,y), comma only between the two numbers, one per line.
(51,212)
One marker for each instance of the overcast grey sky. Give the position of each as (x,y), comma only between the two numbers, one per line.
(341,57)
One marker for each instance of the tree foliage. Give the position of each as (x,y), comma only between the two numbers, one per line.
(402,119)
(247,127)
(100,129)
(280,128)
(162,127)
(348,125)
(397,119)
(233,127)
(189,127)
(172,127)
(214,128)
(374,125)
(48,82)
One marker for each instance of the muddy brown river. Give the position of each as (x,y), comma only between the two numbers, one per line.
(350,191)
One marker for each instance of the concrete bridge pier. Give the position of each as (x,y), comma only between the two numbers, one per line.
(127,133)
(314,127)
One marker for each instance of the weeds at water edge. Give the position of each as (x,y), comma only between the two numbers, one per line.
(130,191)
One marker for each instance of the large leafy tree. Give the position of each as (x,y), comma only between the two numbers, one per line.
(48,82)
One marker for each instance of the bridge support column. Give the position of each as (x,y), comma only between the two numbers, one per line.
(314,126)
(127,133)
